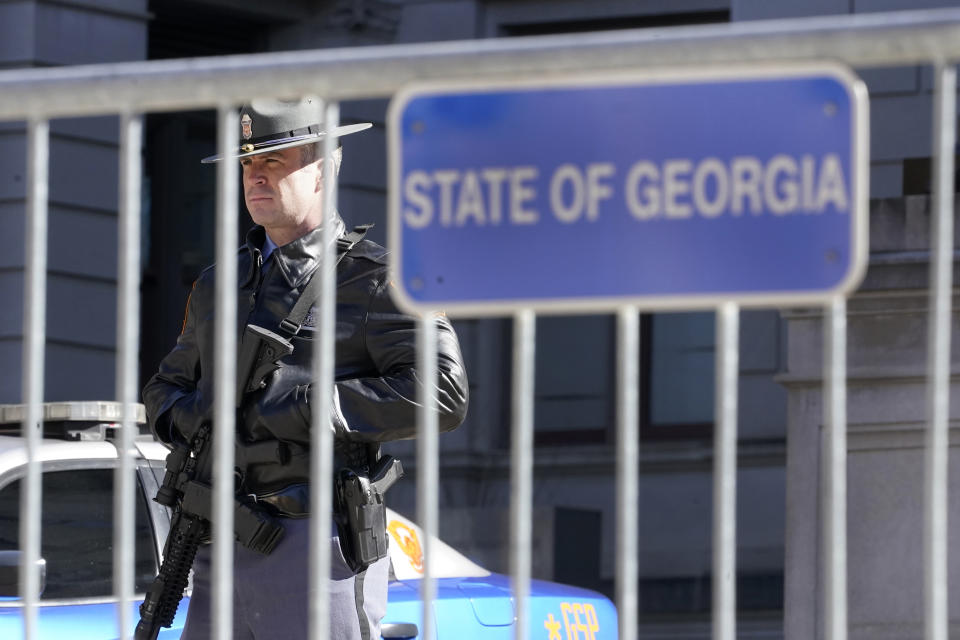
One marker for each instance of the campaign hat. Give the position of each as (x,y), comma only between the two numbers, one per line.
(270,125)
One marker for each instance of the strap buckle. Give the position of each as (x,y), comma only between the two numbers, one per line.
(289,326)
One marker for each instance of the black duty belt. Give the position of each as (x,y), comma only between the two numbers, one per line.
(267,452)
(289,502)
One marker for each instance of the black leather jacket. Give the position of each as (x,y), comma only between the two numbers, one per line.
(377,385)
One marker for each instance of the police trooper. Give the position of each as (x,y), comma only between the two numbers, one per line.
(374,396)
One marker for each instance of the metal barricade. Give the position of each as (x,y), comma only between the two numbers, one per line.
(132,89)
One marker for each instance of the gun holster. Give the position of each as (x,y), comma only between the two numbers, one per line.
(360,513)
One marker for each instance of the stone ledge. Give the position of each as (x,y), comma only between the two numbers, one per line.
(893,436)
(654,458)
(864,377)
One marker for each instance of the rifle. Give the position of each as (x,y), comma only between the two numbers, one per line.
(186,490)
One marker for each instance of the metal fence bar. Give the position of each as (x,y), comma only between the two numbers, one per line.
(225,377)
(521,465)
(427,464)
(725,474)
(321,460)
(128,356)
(365,72)
(34,336)
(938,359)
(628,465)
(835,470)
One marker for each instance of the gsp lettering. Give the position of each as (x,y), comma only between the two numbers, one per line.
(580,621)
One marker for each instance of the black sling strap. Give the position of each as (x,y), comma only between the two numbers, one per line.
(311,293)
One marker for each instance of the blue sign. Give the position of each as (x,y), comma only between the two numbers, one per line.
(676,191)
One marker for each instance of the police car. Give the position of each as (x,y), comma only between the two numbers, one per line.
(78,457)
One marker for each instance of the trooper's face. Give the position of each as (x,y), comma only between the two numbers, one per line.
(282,194)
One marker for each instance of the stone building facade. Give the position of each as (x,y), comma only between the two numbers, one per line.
(780,362)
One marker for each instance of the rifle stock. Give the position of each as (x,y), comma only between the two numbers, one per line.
(186,532)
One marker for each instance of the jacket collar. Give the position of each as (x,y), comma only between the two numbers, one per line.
(298,259)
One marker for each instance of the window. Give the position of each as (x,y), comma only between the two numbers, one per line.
(584,24)
(77,533)
(678,372)
(574,380)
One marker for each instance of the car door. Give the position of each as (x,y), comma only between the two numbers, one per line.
(77,544)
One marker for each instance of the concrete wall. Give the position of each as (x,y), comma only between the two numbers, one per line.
(887,346)
(81,307)
(887,323)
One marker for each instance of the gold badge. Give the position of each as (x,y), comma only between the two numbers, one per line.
(246,126)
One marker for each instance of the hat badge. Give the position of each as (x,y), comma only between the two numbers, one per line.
(246,126)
